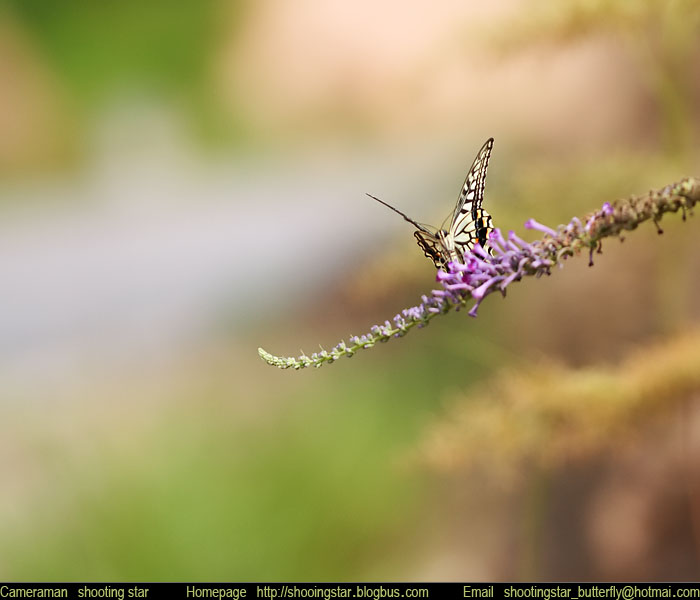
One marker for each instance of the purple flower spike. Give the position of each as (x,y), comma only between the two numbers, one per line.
(482,290)
(589,224)
(480,273)
(442,275)
(510,279)
(512,237)
(532,224)
(473,310)
(573,226)
(498,236)
(496,242)
(479,251)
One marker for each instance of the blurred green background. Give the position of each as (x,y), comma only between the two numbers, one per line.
(183,182)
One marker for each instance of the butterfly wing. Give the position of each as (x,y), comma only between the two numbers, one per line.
(431,246)
(472,228)
(470,223)
(472,192)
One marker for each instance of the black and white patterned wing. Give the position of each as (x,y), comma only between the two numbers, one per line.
(470,223)
(472,192)
(472,228)
(431,246)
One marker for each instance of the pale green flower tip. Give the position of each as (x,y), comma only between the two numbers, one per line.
(273,360)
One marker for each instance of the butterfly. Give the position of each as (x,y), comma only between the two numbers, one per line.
(469,223)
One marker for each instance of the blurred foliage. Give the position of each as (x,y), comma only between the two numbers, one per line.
(662,35)
(228,475)
(106,51)
(199,493)
(100,47)
(546,415)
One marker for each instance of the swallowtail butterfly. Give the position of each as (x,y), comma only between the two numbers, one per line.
(469,223)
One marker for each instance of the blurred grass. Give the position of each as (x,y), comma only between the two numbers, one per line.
(550,415)
(570,465)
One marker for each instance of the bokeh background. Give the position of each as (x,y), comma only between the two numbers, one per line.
(184,182)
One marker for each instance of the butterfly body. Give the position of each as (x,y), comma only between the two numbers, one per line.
(469,224)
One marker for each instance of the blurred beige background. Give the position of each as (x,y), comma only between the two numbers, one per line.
(180,184)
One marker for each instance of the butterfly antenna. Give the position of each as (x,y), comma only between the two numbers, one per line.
(396,210)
